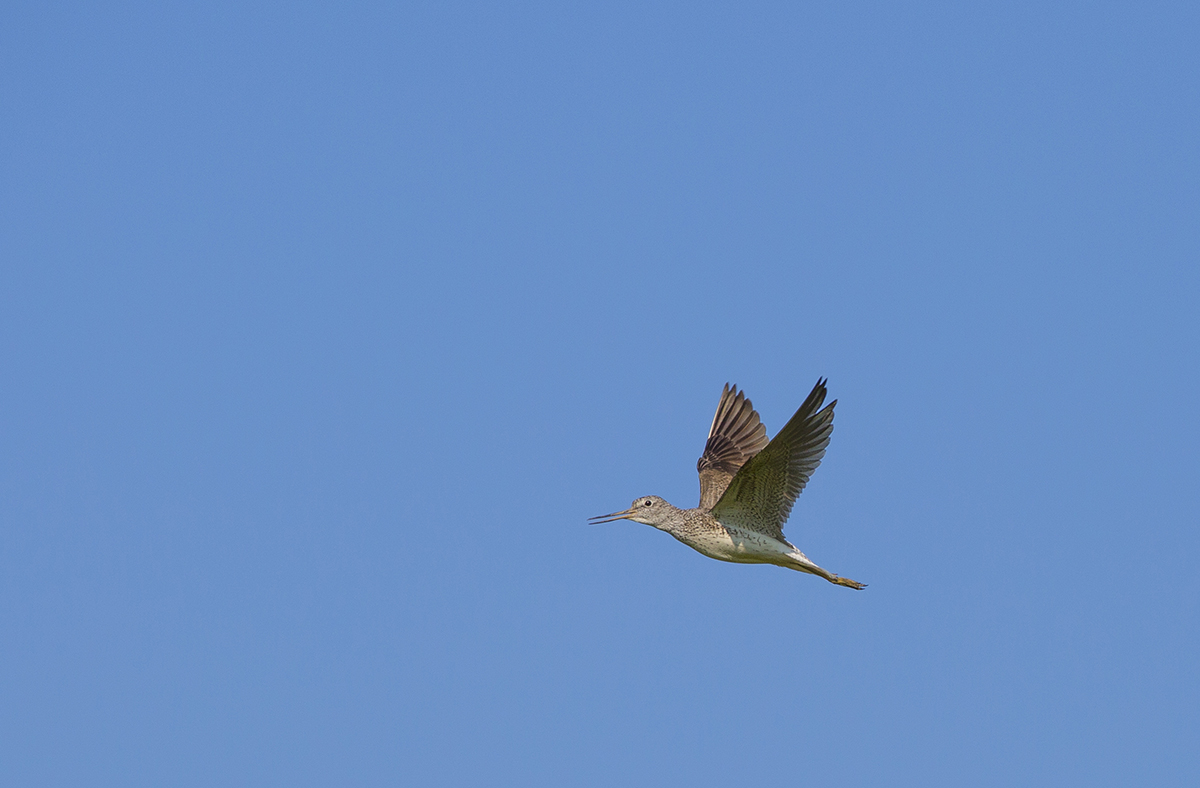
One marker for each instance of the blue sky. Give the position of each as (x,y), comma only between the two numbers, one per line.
(324,328)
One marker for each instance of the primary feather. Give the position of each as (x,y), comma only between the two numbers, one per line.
(735,436)
(760,495)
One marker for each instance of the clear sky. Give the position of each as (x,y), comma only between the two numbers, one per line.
(324,328)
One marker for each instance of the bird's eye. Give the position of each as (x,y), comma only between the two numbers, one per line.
(648,503)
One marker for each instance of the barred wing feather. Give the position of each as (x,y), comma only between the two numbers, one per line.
(760,495)
(736,435)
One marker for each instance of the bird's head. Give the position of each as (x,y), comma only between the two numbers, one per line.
(649,509)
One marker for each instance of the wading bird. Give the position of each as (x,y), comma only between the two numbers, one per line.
(747,486)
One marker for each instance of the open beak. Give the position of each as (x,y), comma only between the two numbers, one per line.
(608,518)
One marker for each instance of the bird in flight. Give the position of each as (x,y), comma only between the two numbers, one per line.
(747,486)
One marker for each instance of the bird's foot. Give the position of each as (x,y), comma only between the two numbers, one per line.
(848,583)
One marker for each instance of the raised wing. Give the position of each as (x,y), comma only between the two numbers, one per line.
(736,435)
(761,494)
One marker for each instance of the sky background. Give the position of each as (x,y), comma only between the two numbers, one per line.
(324,328)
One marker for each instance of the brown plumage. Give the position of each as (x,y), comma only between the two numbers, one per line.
(748,486)
(735,436)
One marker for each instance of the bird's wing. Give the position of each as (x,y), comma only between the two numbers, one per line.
(761,494)
(736,435)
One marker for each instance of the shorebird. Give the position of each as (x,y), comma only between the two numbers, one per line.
(747,486)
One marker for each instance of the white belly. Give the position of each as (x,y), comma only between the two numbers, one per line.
(740,547)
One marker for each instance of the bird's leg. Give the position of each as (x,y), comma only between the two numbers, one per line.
(800,562)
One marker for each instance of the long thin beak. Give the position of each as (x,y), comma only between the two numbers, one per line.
(608,518)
